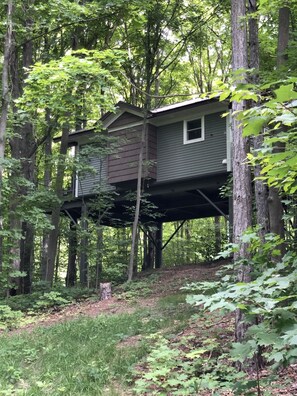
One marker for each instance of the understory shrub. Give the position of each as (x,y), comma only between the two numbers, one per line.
(9,318)
(268,302)
(47,298)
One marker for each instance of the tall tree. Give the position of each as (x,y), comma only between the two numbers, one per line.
(242,194)
(5,101)
(57,87)
(274,199)
(260,188)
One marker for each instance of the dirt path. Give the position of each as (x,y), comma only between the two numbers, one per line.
(166,281)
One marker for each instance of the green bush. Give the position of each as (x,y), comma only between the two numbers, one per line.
(51,299)
(116,273)
(39,300)
(270,296)
(9,319)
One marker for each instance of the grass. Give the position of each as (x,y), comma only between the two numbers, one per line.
(83,357)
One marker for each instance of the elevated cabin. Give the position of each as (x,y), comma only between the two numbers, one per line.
(186,161)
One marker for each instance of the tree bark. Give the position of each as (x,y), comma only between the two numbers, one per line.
(218,235)
(99,253)
(47,178)
(83,254)
(260,188)
(283,35)
(27,257)
(50,259)
(275,205)
(72,255)
(21,149)
(242,195)
(5,102)
(138,195)
(159,245)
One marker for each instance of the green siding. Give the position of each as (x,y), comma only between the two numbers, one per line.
(176,160)
(91,181)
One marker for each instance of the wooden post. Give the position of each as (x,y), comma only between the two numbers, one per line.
(159,247)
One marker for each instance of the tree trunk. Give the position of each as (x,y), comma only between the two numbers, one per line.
(47,178)
(275,205)
(21,145)
(261,190)
(159,245)
(138,195)
(50,259)
(218,236)
(57,260)
(72,255)
(5,102)
(283,36)
(83,254)
(99,254)
(242,196)
(27,257)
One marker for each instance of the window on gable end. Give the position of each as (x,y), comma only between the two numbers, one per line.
(194,130)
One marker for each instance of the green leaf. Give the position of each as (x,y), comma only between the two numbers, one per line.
(225,95)
(254,126)
(285,93)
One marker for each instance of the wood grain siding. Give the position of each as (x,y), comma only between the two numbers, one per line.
(89,182)
(177,160)
(125,119)
(123,165)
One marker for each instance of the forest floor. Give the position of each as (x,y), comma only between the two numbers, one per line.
(165,281)
(149,290)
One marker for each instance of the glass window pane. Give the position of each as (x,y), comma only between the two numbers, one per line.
(194,134)
(194,124)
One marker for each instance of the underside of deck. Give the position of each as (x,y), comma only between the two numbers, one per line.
(162,202)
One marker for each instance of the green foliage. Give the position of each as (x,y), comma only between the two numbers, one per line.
(51,299)
(76,81)
(116,273)
(43,297)
(9,318)
(136,289)
(74,358)
(271,296)
(194,242)
(178,367)
(8,276)
(276,119)
(86,356)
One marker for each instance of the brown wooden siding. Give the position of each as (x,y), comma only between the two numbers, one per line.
(125,119)
(123,165)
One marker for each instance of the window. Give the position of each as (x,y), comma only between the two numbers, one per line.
(194,130)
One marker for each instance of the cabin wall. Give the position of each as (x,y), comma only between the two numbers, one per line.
(90,182)
(177,160)
(123,165)
(125,119)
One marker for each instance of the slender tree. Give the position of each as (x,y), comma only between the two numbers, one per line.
(242,194)
(274,199)
(5,102)
(260,188)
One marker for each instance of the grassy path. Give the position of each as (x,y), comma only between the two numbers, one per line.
(146,340)
(90,348)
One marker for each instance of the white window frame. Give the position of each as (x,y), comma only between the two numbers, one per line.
(186,139)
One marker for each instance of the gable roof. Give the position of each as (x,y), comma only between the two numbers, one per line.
(123,108)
